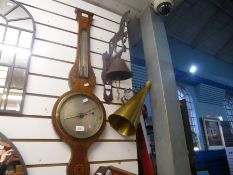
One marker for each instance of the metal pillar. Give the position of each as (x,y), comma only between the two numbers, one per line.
(170,144)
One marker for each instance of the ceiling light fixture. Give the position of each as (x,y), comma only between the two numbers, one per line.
(192,69)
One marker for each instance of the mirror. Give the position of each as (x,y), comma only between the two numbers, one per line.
(11,162)
(17,31)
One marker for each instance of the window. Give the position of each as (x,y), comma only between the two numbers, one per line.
(228,104)
(17,30)
(183,94)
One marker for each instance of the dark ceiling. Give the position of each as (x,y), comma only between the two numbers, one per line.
(204,24)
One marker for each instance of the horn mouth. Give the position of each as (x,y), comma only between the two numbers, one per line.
(121,125)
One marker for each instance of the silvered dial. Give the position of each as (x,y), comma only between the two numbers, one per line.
(80,116)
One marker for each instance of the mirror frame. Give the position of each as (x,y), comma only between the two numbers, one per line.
(6,140)
(10,67)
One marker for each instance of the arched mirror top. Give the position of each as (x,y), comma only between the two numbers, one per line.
(17,33)
(11,161)
(16,16)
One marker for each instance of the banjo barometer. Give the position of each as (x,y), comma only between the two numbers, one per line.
(78,115)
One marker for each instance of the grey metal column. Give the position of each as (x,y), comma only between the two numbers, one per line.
(170,145)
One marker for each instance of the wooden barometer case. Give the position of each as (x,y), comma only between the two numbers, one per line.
(78,115)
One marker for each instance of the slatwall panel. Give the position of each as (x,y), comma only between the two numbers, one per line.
(210,94)
(227,133)
(139,76)
(53,55)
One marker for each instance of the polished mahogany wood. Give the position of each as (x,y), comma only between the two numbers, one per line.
(77,82)
(79,164)
(114,171)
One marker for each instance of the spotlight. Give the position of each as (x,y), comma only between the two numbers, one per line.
(193,69)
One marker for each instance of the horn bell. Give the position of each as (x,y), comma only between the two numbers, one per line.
(125,120)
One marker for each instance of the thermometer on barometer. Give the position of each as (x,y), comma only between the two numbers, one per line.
(84,53)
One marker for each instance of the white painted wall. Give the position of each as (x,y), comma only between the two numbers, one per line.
(52,58)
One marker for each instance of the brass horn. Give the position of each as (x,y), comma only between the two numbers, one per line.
(126,119)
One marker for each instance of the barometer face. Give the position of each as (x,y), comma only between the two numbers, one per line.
(80,115)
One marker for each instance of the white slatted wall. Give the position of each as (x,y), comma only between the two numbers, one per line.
(52,58)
